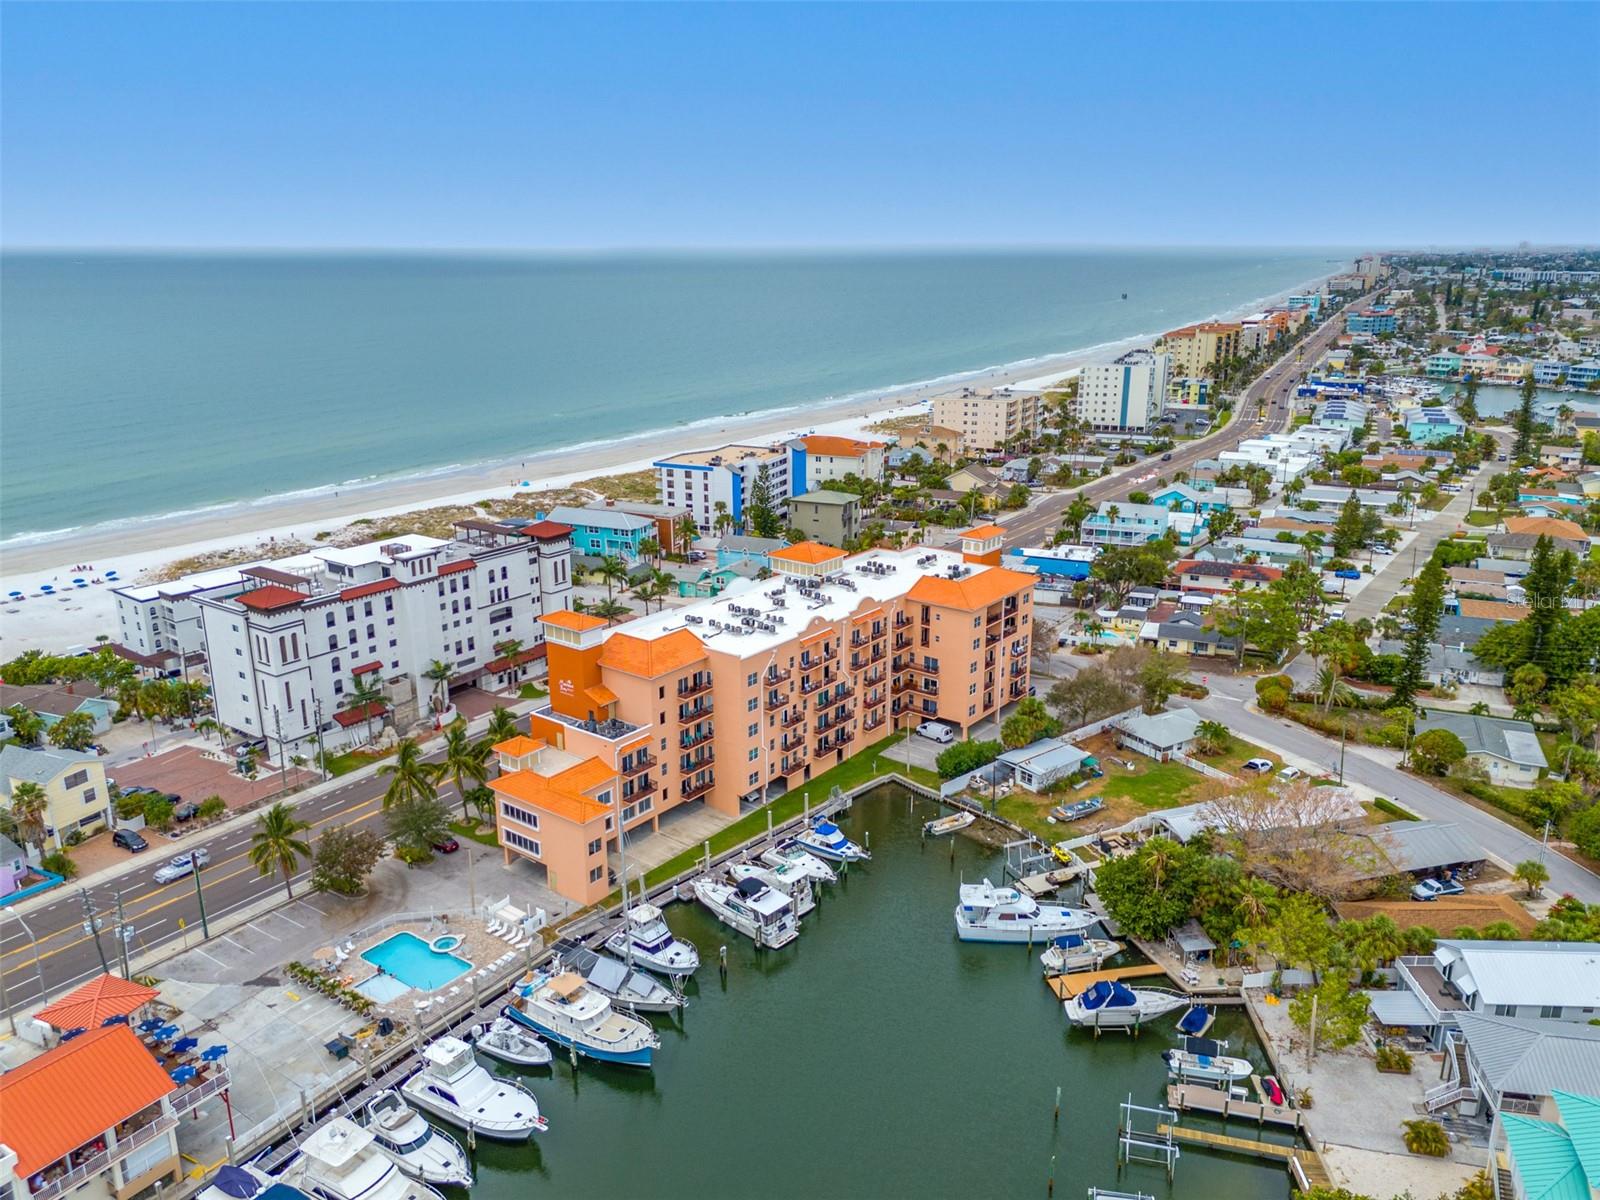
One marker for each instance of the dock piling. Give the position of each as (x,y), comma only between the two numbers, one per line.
(1058,1104)
(1050,1190)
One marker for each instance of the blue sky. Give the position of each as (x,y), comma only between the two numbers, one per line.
(502,125)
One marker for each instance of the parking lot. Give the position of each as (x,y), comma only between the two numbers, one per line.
(190,772)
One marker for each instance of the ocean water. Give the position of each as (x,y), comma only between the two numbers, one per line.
(138,385)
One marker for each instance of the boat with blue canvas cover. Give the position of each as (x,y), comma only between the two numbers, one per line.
(567,1011)
(1196,1021)
(986,913)
(1074,952)
(1112,1004)
(827,840)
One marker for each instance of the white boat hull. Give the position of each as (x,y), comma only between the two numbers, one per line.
(1152,1004)
(772,938)
(954,823)
(1207,1068)
(678,960)
(1087,957)
(789,854)
(1018,932)
(520,1048)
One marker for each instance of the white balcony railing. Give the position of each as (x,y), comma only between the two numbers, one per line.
(100,1163)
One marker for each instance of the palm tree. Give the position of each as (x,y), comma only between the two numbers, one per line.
(29,803)
(367,695)
(410,778)
(611,610)
(502,726)
(1213,736)
(650,548)
(723,521)
(687,531)
(649,589)
(614,571)
(465,762)
(438,673)
(274,846)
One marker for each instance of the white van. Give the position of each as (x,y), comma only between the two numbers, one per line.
(936,732)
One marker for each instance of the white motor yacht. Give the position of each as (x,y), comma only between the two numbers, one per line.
(990,914)
(1110,1004)
(1074,952)
(616,981)
(792,854)
(826,840)
(416,1147)
(787,879)
(568,1012)
(504,1039)
(453,1085)
(645,940)
(764,915)
(339,1160)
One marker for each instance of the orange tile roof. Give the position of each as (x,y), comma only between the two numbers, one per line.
(270,596)
(839,447)
(808,552)
(576,621)
(518,746)
(586,776)
(601,694)
(86,1007)
(649,658)
(973,592)
(1550,526)
(51,1105)
(984,532)
(546,795)
(1493,610)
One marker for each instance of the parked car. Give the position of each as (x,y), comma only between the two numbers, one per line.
(1290,773)
(1432,889)
(447,845)
(183,864)
(1347,574)
(1166,457)
(936,732)
(1258,764)
(187,811)
(130,840)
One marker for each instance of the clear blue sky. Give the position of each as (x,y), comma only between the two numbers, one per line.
(772,125)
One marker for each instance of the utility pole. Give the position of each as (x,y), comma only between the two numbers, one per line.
(91,926)
(124,933)
(1344,725)
(322,750)
(200,896)
(283,753)
(1544,842)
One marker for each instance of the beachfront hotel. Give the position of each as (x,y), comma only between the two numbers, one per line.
(752,693)
(700,480)
(987,418)
(1195,347)
(286,643)
(1126,395)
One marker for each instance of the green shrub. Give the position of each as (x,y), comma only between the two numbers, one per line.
(1272,699)
(60,863)
(1394,1059)
(1393,810)
(1426,1137)
(212,807)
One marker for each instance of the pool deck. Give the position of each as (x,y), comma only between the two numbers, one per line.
(478,947)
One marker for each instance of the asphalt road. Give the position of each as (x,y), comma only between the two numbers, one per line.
(1274,387)
(49,945)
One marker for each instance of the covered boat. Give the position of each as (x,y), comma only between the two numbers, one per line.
(1074,952)
(1110,1004)
(1209,1068)
(339,1160)
(614,980)
(511,1043)
(827,840)
(786,879)
(791,853)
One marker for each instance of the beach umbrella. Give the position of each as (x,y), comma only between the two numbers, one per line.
(16,595)
(151,1025)
(184,1074)
(323,954)
(77,579)
(212,1053)
(119,1019)
(167,1032)
(184,1045)
(72,1033)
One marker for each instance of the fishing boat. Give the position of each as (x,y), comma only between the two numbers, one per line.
(570,1013)
(616,981)
(510,1043)
(764,915)
(1197,1021)
(452,1085)
(416,1147)
(787,880)
(1074,952)
(825,840)
(954,823)
(1208,1068)
(645,941)
(791,853)
(1111,1004)
(1077,810)
(986,913)
(339,1160)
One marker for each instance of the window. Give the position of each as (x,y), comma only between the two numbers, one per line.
(751,706)
(513,838)
(523,815)
(330,618)
(754,751)
(754,729)
(1505,1010)
(88,798)
(594,847)
(76,779)
(594,875)
(1550,1011)
(750,681)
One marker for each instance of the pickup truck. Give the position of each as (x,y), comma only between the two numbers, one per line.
(1432,889)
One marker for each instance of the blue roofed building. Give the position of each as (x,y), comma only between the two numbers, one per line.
(1434,425)
(1371,320)
(600,531)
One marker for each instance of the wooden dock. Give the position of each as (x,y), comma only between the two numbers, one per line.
(1067,986)
(1194,1097)
(1304,1165)
(1049,881)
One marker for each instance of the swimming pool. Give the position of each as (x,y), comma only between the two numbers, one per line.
(407,958)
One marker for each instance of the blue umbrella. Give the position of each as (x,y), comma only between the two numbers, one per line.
(119,1019)
(150,1025)
(184,1045)
(167,1033)
(77,579)
(72,1033)
(15,594)
(212,1053)
(184,1074)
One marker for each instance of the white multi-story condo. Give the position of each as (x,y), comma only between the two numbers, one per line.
(158,622)
(1127,394)
(987,419)
(286,644)
(700,480)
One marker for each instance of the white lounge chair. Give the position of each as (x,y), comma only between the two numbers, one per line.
(348,946)
(424,1005)
(493,927)
(338,957)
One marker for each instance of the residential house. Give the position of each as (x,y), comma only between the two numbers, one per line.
(751,693)
(13,866)
(1428,425)
(725,476)
(1491,610)
(94,1117)
(1568,457)
(1521,535)
(1422,848)
(1462,632)
(823,458)
(1193,574)
(1129,524)
(986,419)
(602,532)
(1451,665)
(1332,497)
(737,548)
(1180,497)
(1038,766)
(827,516)
(1549,981)
(51,703)
(1556,1158)
(1160,736)
(1507,750)
(973,477)
(668,519)
(1186,632)
(1413,458)
(74,784)
(1444,365)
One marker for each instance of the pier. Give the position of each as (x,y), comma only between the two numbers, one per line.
(1067,986)
(1194,1097)
(1304,1165)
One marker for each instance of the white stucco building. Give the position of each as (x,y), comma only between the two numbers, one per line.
(1126,395)
(698,480)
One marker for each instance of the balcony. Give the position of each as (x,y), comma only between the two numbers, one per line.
(930,687)
(872,723)
(928,666)
(902,641)
(791,718)
(642,786)
(691,789)
(1017,690)
(777,675)
(901,620)
(693,686)
(901,685)
(1018,669)
(98,1164)
(876,675)
(792,763)
(858,663)
(990,639)
(694,712)
(775,700)
(1421,974)
(639,760)
(693,737)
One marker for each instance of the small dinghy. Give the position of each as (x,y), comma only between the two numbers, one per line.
(1274,1091)
(1196,1021)
(1077,810)
(954,823)
(504,1039)
(1074,952)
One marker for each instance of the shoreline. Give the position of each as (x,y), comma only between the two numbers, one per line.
(139,545)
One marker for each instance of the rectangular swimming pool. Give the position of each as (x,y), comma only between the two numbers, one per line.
(407,958)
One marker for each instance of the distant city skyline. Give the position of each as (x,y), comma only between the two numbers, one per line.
(525,127)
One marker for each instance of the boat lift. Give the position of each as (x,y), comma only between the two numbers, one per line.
(1136,1144)
(1027,858)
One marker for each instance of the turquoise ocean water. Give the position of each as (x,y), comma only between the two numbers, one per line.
(142,385)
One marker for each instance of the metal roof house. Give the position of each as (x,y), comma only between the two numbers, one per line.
(1557,1159)
(1044,762)
(1504,1065)
(1421,847)
(1508,750)
(1160,736)
(1553,981)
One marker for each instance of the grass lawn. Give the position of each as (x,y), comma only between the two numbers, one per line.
(532,691)
(852,772)
(484,837)
(1482,518)
(350,760)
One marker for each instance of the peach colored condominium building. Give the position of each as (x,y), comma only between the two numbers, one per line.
(753,692)
(1195,346)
